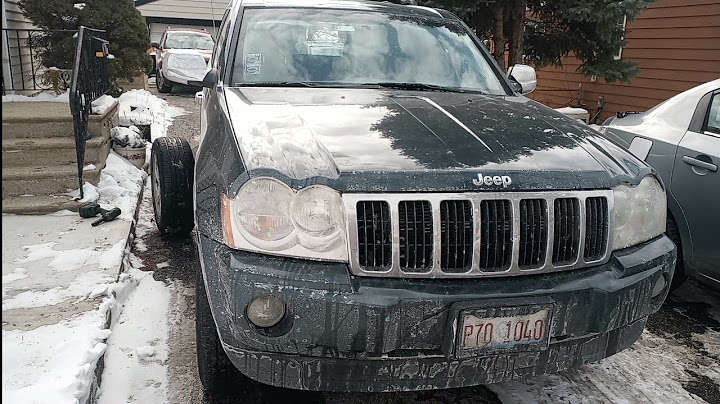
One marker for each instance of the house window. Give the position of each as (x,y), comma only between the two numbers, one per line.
(618,54)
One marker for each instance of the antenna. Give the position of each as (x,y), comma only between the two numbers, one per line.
(212,13)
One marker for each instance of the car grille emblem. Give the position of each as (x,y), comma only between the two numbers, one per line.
(503,180)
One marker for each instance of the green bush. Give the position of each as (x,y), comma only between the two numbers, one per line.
(128,34)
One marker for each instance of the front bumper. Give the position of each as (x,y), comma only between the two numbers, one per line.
(346,333)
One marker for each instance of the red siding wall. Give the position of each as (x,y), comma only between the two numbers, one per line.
(676,44)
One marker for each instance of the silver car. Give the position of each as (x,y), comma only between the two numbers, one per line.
(680,138)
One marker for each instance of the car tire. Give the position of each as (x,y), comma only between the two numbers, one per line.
(679,277)
(217,373)
(172,167)
(163,86)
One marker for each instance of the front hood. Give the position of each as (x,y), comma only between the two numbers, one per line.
(378,140)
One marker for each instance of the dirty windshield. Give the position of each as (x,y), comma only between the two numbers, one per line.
(333,47)
(189,40)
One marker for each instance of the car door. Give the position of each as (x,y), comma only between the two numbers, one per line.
(696,185)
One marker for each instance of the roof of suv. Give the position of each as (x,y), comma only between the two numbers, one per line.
(393,8)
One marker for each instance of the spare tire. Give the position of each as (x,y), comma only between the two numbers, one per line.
(172,168)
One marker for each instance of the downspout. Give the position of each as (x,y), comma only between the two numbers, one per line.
(7,71)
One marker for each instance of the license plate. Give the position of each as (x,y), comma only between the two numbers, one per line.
(522,327)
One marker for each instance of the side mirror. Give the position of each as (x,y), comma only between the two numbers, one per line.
(155,45)
(208,82)
(524,76)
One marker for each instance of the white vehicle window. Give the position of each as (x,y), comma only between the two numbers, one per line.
(713,119)
(189,40)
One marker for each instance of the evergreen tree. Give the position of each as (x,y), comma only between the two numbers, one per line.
(541,32)
(128,35)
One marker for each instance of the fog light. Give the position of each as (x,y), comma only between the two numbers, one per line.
(266,311)
(659,286)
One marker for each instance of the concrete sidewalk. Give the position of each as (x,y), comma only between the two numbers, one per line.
(61,288)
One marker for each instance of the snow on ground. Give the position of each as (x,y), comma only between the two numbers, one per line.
(136,357)
(56,362)
(53,363)
(64,97)
(119,186)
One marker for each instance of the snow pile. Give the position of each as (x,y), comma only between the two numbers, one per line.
(571,111)
(138,350)
(102,104)
(42,365)
(46,97)
(140,107)
(127,137)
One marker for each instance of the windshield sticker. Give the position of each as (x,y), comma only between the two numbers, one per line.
(253,58)
(252,69)
(253,62)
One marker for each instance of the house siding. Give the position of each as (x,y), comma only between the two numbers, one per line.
(197,14)
(14,54)
(676,45)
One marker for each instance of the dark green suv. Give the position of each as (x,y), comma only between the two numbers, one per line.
(379,208)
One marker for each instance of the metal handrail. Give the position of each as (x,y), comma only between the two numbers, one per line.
(90,79)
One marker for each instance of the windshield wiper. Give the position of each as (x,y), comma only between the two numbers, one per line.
(423,87)
(276,84)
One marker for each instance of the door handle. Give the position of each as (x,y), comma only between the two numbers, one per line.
(699,163)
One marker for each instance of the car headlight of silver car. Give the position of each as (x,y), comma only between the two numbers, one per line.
(268,216)
(640,212)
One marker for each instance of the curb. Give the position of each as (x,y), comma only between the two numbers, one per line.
(100,365)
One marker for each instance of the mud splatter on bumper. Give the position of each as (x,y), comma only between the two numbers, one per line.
(348,333)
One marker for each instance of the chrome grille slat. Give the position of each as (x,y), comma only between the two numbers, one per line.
(578,236)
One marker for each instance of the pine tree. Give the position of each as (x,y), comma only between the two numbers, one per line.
(128,35)
(541,32)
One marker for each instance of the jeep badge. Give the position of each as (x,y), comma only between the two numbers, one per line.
(494,180)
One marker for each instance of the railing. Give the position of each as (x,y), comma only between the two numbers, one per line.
(90,79)
(23,69)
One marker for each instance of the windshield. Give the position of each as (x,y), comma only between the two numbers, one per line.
(289,46)
(188,40)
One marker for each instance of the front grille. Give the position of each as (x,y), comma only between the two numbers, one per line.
(533,233)
(478,234)
(456,235)
(416,235)
(596,228)
(374,235)
(566,243)
(495,234)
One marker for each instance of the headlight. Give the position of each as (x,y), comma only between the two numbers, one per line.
(640,213)
(267,216)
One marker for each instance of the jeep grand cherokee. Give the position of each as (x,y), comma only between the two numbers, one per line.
(378,208)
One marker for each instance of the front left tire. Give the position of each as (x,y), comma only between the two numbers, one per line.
(172,168)
(163,86)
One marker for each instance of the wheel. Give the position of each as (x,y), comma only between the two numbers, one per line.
(679,277)
(217,373)
(172,165)
(162,85)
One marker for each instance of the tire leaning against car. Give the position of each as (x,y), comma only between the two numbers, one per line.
(217,373)
(172,167)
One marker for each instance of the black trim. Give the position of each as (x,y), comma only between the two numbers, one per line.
(143,2)
(181,21)
(698,119)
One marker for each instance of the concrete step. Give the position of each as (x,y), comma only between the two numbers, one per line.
(50,119)
(39,204)
(51,151)
(44,180)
